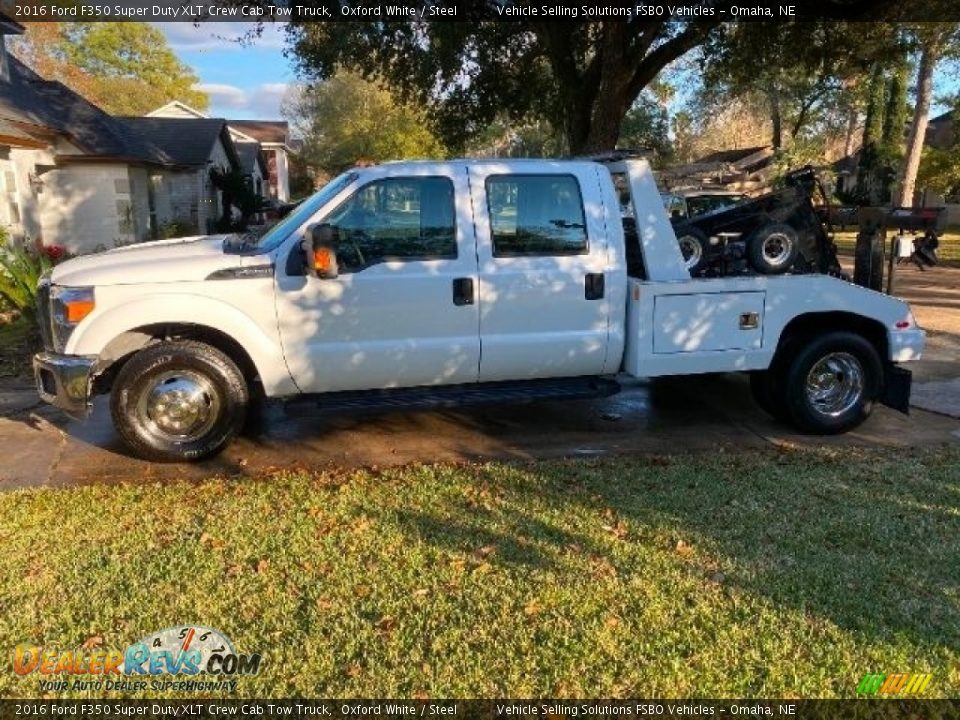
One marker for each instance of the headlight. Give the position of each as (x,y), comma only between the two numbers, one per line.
(69,305)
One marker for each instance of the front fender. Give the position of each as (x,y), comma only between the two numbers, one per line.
(126,308)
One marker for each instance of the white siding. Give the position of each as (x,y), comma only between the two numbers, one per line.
(79,207)
(25,166)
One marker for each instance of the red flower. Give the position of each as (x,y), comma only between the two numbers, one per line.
(54,252)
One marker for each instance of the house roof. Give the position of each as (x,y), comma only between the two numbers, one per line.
(9,26)
(250,156)
(175,108)
(28,98)
(266,131)
(187,141)
(945,117)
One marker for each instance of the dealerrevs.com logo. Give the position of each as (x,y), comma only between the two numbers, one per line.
(157,662)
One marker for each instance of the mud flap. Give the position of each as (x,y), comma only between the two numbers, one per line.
(896,388)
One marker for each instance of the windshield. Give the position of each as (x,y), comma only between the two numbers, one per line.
(281,231)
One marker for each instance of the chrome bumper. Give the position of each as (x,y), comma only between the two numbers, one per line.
(65,381)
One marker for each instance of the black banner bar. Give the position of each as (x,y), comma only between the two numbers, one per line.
(477,10)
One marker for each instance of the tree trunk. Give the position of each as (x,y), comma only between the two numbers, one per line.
(918,130)
(852,117)
(776,118)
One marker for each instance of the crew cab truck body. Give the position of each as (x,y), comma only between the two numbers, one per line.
(446,281)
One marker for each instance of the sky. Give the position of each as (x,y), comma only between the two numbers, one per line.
(246,82)
(243,82)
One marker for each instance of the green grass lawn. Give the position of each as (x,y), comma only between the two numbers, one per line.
(784,573)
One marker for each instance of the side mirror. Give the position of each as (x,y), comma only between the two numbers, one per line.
(320,249)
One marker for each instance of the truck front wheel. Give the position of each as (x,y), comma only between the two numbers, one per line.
(178,401)
(832,382)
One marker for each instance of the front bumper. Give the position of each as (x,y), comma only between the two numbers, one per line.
(65,381)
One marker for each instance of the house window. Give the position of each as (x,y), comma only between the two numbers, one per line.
(125,216)
(124,206)
(9,203)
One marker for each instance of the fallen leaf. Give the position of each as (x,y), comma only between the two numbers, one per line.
(263,565)
(533,608)
(485,551)
(386,624)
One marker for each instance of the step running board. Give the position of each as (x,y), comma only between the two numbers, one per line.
(578,388)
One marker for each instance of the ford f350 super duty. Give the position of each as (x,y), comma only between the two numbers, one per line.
(419,283)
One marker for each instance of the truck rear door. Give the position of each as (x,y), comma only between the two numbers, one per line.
(544,290)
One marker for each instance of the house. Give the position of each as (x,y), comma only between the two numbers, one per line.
(273,138)
(184,193)
(940,133)
(74,176)
(71,174)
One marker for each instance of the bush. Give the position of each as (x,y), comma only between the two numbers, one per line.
(176,229)
(20,270)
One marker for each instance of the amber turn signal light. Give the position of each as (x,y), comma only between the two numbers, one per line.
(77,310)
(323,260)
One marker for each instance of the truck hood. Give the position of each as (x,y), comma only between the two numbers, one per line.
(175,260)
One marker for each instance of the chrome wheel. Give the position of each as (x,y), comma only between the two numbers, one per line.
(179,405)
(835,384)
(777,248)
(692,251)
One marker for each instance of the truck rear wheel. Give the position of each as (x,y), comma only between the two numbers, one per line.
(832,382)
(694,247)
(773,249)
(178,401)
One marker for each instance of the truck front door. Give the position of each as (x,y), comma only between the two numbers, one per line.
(542,253)
(402,312)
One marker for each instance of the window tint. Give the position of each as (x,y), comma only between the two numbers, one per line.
(536,215)
(396,219)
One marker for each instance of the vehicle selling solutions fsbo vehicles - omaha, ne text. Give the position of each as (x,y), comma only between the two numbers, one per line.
(436,282)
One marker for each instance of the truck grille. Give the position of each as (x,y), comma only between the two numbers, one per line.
(43,314)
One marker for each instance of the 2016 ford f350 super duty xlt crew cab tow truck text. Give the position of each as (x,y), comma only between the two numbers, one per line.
(421,283)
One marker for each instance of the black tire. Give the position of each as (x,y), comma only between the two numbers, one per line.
(831,383)
(773,249)
(694,247)
(207,392)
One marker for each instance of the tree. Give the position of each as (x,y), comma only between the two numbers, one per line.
(935,41)
(126,68)
(940,170)
(646,125)
(582,77)
(800,72)
(347,120)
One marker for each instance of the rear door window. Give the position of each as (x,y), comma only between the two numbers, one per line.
(534,215)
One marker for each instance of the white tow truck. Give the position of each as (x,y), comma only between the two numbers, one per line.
(421,283)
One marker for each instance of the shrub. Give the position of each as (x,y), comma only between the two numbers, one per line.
(20,270)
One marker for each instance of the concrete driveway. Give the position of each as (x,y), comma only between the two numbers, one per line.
(708,413)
